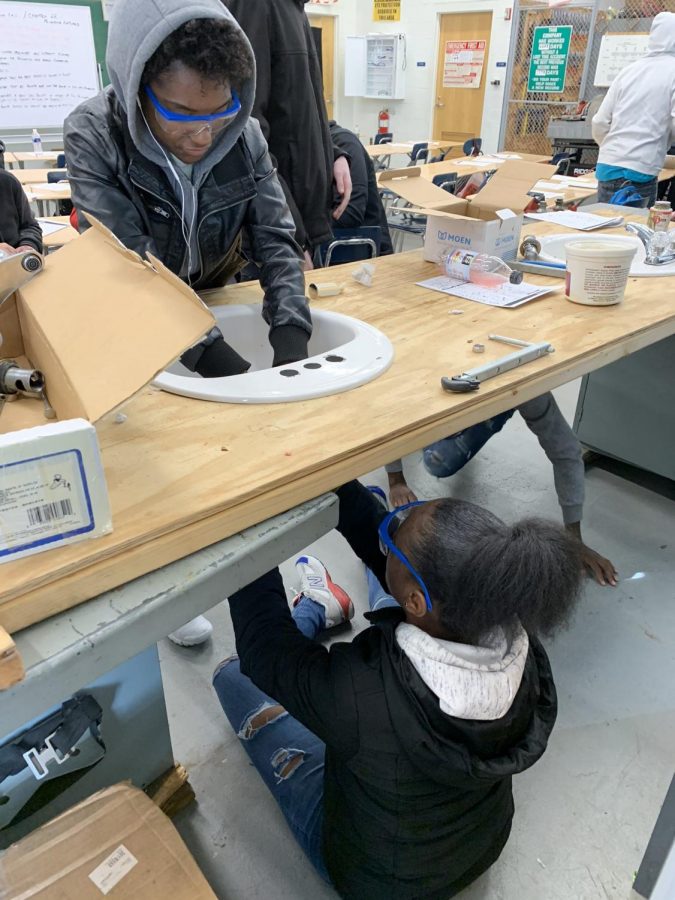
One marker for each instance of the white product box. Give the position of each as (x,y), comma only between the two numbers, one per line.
(52,488)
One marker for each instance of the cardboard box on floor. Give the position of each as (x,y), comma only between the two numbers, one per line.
(100,323)
(116,842)
(483,223)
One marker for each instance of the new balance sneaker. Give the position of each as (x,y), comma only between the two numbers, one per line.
(195,632)
(317,585)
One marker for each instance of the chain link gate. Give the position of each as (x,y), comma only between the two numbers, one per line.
(527,112)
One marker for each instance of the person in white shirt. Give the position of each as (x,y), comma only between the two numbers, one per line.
(635,124)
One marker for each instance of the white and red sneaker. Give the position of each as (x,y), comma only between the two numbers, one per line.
(317,585)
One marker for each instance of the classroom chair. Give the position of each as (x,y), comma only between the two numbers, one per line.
(419,154)
(61,161)
(56,175)
(472,147)
(447,181)
(351,244)
(386,138)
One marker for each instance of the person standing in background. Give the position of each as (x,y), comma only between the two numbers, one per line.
(635,124)
(290,107)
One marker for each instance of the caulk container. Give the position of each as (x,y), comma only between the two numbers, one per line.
(597,271)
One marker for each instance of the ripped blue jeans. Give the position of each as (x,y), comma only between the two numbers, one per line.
(288,756)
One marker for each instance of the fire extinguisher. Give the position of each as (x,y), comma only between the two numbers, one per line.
(383,122)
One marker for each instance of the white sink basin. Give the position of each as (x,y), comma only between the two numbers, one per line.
(344,353)
(553,250)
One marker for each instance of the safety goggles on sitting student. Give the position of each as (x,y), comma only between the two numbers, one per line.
(179,124)
(388,528)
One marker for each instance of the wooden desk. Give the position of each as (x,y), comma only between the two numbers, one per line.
(47,193)
(380,151)
(183,473)
(63,235)
(32,176)
(18,159)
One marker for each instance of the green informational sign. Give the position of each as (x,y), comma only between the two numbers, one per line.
(548,65)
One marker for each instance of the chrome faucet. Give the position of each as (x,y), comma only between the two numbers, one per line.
(655,255)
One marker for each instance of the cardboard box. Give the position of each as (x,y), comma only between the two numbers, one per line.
(489,222)
(115,843)
(100,323)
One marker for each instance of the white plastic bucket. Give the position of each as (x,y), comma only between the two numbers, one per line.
(597,271)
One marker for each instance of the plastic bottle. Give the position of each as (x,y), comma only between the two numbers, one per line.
(659,216)
(479,268)
(37,142)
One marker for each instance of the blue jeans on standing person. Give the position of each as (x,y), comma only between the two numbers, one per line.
(288,757)
(646,190)
(445,457)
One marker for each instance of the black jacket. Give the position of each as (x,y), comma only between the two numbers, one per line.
(290,107)
(417,804)
(365,206)
(17,223)
(134,198)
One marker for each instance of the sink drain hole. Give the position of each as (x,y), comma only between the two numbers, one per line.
(312,366)
(335,359)
(289,373)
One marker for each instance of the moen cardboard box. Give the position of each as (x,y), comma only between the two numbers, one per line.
(100,323)
(115,843)
(489,222)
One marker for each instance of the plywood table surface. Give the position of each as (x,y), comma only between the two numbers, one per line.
(32,176)
(184,473)
(58,191)
(63,236)
(19,158)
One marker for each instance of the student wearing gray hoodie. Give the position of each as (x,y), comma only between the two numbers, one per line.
(170,160)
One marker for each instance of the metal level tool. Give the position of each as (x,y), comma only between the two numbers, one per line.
(471,380)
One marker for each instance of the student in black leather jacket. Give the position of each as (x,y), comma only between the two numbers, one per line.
(171,161)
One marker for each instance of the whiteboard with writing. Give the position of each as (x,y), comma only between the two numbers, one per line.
(616,52)
(47,63)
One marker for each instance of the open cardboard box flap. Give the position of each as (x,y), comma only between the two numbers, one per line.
(507,189)
(100,322)
(509,186)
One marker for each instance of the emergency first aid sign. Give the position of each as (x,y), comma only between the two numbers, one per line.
(463,65)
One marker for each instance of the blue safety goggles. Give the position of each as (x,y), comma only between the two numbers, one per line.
(213,122)
(387,529)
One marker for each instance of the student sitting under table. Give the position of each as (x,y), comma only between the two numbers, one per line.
(560,444)
(392,756)
(169,159)
(19,230)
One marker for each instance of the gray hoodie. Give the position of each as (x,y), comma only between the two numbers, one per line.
(122,175)
(126,57)
(636,123)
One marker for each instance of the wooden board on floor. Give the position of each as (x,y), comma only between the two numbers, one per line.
(184,473)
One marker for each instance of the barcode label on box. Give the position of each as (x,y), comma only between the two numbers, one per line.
(113,869)
(43,500)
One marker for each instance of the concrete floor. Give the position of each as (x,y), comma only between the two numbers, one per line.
(585,812)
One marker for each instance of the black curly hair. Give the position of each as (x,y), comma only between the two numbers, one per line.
(484,574)
(214,48)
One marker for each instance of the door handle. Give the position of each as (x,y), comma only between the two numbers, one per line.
(439,103)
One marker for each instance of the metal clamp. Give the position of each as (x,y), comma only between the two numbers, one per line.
(471,380)
(37,760)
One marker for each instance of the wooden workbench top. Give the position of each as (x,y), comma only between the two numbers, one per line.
(184,473)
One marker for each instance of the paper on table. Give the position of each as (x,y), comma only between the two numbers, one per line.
(48,227)
(569,181)
(578,220)
(508,156)
(508,296)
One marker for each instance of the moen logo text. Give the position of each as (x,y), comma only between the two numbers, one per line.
(454,238)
